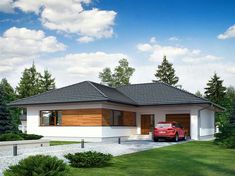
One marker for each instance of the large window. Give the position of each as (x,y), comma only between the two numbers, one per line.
(121,118)
(116,118)
(50,118)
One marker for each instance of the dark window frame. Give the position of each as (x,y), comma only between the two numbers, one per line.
(55,119)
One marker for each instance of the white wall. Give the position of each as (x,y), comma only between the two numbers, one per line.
(33,120)
(23,126)
(33,123)
(207,123)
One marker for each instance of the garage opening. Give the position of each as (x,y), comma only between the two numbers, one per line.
(183,119)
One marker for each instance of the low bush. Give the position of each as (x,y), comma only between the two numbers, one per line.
(88,159)
(30,136)
(19,136)
(226,136)
(10,137)
(38,165)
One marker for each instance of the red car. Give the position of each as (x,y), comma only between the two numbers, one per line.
(169,130)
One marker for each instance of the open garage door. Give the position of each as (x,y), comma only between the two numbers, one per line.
(183,119)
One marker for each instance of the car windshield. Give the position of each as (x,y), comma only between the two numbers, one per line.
(163,125)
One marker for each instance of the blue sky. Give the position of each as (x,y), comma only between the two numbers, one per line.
(75,40)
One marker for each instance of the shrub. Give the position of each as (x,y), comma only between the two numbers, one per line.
(38,165)
(18,136)
(30,136)
(10,137)
(88,159)
(226,136)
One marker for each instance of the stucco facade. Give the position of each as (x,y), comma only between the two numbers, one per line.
(201,121)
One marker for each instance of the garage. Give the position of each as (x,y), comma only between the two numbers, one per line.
(183,119)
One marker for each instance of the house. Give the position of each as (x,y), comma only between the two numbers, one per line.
(95,112)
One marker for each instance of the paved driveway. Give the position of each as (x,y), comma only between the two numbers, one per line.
(115,149)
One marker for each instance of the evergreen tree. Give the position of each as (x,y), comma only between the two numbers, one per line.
(47,82)
(121,75)
(166,73)
(29,83)
(10,95)
(8,89)
(215,91)
(5,120)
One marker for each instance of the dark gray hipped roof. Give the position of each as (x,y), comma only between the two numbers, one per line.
(136,94)
(159,94)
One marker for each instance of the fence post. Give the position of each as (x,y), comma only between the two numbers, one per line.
(119,140)
(14,150)
(82,143)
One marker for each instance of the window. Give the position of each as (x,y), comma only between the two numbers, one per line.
(116,118)
(50,118)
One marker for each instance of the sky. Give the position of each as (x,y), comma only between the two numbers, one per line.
(76,39)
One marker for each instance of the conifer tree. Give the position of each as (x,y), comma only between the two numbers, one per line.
(29,83)
(215,91)
(10,95)
(5,120)
(166,73)
(47,82)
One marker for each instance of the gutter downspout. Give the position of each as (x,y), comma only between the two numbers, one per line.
(199,120)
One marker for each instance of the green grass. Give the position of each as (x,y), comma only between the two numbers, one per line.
(188,159)
(52,143)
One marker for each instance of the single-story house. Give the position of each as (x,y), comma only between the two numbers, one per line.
(96,112)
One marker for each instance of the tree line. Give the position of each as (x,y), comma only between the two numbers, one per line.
(32,82)
(215,91)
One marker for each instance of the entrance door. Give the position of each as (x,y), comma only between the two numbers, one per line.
(146,121)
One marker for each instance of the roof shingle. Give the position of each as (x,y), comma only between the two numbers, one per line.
(136,94)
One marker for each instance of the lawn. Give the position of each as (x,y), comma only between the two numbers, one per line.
(192,158)
(52,143)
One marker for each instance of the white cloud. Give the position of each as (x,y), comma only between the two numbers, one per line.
(144,47)
(85,39)
(229,33)
(20,44)
(152,40)
(231,69)
(6,6)
(173,38)
(157,51)
(69,16)
(73,68)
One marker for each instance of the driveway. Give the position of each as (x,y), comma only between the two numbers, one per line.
(115,149)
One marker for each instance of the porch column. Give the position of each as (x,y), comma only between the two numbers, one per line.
(138,123)
(194,128)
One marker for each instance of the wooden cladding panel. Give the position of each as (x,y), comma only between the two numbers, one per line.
(183,119)
(95,117)
(129,118)
(82,117)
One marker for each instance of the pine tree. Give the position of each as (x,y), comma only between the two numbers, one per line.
(47,82)
(10,95)
(5,120)
(9,91)
(166,73)
(29,83)
(120,77)
(215,91)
